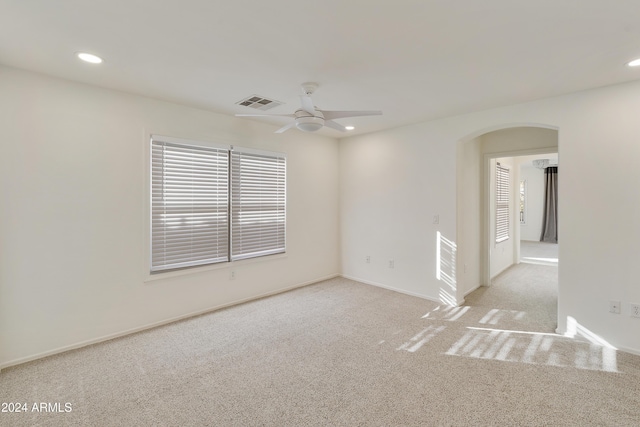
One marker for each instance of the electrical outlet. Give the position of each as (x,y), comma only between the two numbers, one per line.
(232,275)
(392,264)
(614,307)
(635,310)
(436,219)
(368,259)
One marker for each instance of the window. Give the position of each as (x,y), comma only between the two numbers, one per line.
(257,204)
(502,203)
(214,204)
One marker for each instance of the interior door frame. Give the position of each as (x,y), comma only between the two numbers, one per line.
(486,206)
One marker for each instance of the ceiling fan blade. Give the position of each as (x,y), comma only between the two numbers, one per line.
(307,104)
(334,125)
(285,128)
(265,115)
(330,115)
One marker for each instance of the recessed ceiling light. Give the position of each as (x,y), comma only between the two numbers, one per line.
(634,63)
(349,127)
(87,57)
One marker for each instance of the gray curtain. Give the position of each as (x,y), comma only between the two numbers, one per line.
(550,214)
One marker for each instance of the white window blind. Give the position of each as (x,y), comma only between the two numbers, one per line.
(189,205)
(257,203)
(502,203)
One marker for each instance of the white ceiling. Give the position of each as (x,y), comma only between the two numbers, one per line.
(413,59)
(527,161)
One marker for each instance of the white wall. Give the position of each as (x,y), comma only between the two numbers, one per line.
(392,185)
(470,214)
(392,182)
(73,215)
(534,202)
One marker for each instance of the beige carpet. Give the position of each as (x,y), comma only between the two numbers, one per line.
(539,252)
(341,353)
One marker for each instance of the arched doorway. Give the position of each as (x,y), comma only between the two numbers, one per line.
(478,248)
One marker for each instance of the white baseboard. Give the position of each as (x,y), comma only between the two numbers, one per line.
(625,349)
(503,270)
(468,292)
(630,350)
(391,288)
(156,324)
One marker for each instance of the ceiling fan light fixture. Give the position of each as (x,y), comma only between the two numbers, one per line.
(309,124)
(308,127)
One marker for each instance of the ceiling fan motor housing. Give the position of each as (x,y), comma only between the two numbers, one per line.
(309,87)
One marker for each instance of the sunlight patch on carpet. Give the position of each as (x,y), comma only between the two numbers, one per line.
(533,348)
(421,339)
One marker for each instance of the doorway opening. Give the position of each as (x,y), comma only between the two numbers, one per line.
(521,204)
(502,229)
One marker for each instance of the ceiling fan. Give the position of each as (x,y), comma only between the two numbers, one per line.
(308,118)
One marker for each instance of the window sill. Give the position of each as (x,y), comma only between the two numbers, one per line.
(149,278)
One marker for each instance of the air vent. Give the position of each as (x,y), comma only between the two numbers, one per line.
(259,102)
